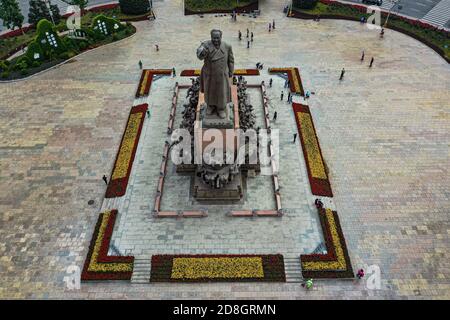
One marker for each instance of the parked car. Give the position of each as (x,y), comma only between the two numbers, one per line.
(377,2)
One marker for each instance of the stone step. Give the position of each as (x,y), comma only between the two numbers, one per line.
(293,269)
(141,271)
(439,15)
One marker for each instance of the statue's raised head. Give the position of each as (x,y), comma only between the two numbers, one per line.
(216,37)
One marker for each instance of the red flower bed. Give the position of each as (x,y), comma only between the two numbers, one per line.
(336,262)
(163,266)
(118,183)
(100,266)
(320,184)
(295,81)
(146,80)
(237,72)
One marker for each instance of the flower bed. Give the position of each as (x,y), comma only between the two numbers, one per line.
(237,72)
(295,81)
(100,266)
(208,268)
(146,80)
(336,262)
(317,174)
(124,161)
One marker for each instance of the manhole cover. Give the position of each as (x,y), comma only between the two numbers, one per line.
(90,202)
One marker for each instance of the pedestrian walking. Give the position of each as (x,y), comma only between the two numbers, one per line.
(307,94)
(371,62)
(251,37)
(270,83)
(273,24)
(157,47)
(257,65)
(105,179)
(270,27)
(362,56)
(248,44)
(342,74)
(173,72)
(275,116)
(148,113)
(247,32)
(308,284)
(360,274)
(289,97)
(240,35)
(140,64)
(295,137)
(382,33)
(282,95)
(318,203)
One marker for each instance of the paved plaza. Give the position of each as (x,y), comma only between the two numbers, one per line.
(384,133)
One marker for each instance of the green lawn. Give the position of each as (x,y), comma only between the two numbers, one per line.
(9,44)
(437,38)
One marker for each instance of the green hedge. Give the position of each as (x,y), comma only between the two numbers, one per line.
(304,4)
(134,6)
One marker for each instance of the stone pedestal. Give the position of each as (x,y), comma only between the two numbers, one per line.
(214,121)
(233,191)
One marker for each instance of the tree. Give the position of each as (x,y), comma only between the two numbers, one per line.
(10,14)
(80,3)
(39,10)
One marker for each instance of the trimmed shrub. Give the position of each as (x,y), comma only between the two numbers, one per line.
(47,42)
(104,26)
(3,66)
(5,74)
(35,52)
(134,6)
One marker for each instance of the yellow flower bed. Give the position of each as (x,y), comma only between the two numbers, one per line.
(315,162)
(340,263)
(144,82)
(295,80)
(224,267)
(94,266)
(126,149)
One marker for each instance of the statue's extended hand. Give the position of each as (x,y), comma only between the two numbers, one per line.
(202,51)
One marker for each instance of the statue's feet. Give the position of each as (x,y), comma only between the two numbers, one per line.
(221,114)
(210,110)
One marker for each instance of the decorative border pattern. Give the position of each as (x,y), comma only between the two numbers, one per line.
(295,81)
(100,266)
(215,268)
(318,178)
(125,156)
(146,80)
(237,72)
(336,262)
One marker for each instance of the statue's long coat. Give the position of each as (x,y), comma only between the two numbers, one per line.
(214,79)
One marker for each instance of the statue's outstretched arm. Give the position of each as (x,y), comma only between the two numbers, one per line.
(202,51)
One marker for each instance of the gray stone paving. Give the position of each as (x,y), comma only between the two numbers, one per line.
(383,131)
